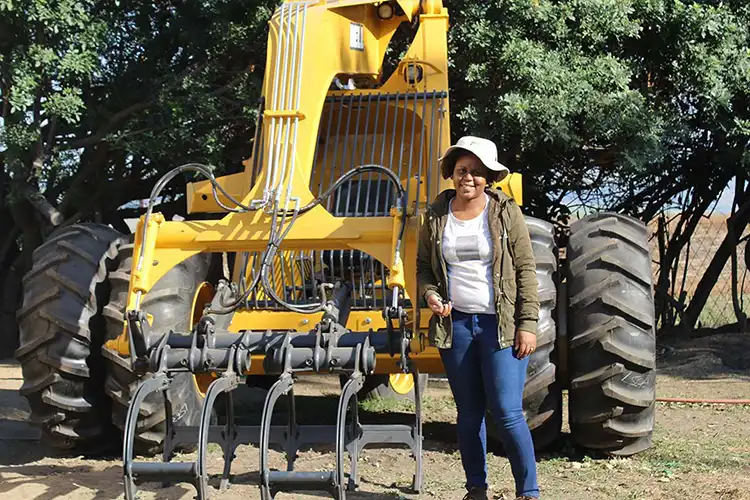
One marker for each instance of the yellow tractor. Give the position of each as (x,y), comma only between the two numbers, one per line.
(304,262)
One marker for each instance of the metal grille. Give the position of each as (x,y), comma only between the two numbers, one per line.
(399,131)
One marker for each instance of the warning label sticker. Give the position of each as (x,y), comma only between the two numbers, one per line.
(356,36)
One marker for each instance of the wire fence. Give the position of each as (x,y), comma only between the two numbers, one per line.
(730,291)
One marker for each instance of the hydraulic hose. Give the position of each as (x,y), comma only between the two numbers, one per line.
(274,242)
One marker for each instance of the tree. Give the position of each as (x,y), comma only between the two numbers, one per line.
(623,103)
(99,99)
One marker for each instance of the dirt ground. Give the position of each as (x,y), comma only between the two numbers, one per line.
(700,451)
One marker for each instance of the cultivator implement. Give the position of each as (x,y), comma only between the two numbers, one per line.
(328,348)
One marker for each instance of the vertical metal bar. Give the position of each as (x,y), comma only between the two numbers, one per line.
(341,261)
(362,276)
(372,156)
(282,275)
(343,155)
(332,266)
(411,142)
(292,263)
(393,145)
(403,139)
(384,290)
(382,152)
(421,151)
(372,280)
(255,291)
(351,272)
(441,111)
(325,145)
(362,159)
(340,119)
(302,294)
(347,208)
(429,167)
(313,278)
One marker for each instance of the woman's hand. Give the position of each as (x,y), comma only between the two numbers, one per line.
(439,307)
(525,343)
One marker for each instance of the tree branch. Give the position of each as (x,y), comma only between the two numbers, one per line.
(40,203)
(104,130)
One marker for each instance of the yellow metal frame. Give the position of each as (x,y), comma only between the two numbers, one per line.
(327,54)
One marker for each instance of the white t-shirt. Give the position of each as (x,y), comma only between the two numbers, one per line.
(467,250)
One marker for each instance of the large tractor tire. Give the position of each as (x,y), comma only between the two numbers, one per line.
(170,302)
(612,334)
(61,333)
(542,395)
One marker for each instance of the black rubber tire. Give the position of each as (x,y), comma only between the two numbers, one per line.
(611,326)
(170,301)
(379,387)
(61,333)
(542,395)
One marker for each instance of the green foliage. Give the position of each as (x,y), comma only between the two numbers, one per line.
(623,103)
(618,100)
(99,97)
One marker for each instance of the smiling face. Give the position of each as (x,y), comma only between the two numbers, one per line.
(469,177)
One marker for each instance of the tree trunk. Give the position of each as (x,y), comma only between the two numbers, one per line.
(12,295)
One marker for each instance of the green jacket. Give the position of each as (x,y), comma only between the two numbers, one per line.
(514,267)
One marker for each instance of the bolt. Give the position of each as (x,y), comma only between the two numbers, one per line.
(304,321)
(156,263)
(367,321)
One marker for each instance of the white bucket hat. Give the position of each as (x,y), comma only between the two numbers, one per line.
(484,149)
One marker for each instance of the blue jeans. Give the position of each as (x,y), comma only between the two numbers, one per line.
(480,373)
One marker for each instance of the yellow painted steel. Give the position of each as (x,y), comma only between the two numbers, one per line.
(402,383)
(512,185)
(342,39)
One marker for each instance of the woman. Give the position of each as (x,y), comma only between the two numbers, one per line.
(476,272)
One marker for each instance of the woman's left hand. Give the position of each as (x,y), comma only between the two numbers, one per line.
(525,343)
